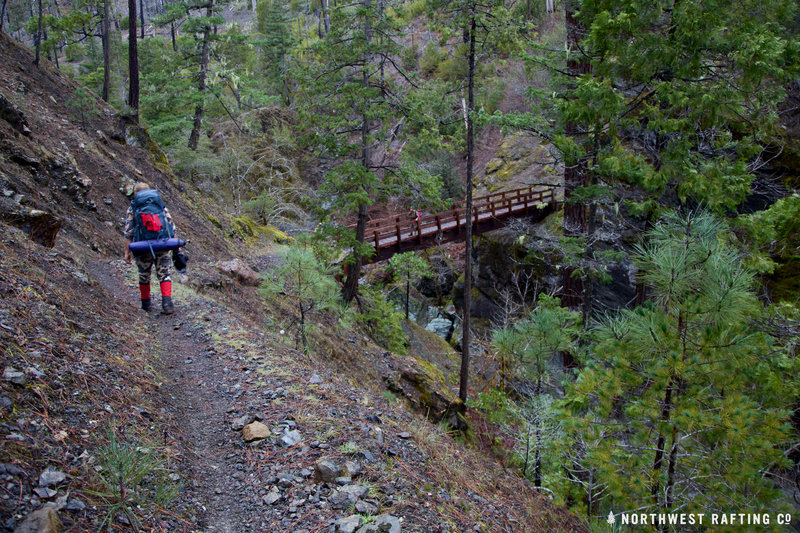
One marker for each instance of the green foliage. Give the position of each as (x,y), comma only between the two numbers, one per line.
(130,480)
(431,59)
(533,342)
(82,104)
(456,66)
(681,133)
(307,284)
(773,234)
(383,323)
(495,405)
(275,41)
(682,403)
(407,268)
(409,58)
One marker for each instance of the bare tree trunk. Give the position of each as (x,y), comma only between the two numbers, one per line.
(106,49)
(2,14)
(141,17)
(326,16)
(172,33)
(194,137)
(463,384)
(39,35)
(133,61)
(658,460)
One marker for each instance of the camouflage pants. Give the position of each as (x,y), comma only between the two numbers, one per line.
(144,263)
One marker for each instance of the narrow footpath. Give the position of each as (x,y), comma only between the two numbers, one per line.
(262,442)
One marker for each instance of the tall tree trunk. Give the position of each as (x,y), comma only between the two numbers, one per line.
(576,173)
(106,49)
(133,62)
(172,33)
(658,461)
(286,98)
(326,16)
(194,137)
(463,384)
(2,14)
(408,293)
(141,17)
(39,33)
(351,283)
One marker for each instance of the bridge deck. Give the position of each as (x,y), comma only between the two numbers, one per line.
(402,233)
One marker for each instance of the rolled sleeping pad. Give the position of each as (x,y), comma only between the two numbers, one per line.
(156,245)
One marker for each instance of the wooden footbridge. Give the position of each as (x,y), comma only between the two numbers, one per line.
(402,233)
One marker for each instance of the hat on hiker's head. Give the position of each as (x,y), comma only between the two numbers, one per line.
(139,187)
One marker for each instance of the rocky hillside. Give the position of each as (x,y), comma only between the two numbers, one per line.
(208,420)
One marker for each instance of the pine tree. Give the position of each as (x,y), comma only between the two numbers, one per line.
(276,42)
(533,343)
(683,402)
(305,281)
(676,99)
(203,27)
(352,111)
(407,268)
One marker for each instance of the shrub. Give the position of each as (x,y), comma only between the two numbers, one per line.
(431,59)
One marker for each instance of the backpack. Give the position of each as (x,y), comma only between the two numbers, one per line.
(149,218)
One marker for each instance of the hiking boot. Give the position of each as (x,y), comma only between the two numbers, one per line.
(147,304)
(166,305)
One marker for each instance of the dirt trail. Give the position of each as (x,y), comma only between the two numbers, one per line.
(222,368)
(195,393)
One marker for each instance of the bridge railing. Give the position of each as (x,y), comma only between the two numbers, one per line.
(389,231)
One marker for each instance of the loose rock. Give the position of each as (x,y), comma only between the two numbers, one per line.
(383,524)
(326,469)
(51,477)
(14,376)
(347,524)
(255,431)
(45,520)
(290,438)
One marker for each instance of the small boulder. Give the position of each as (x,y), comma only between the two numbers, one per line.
(238,424)
(383,524)
(238,269)
(350,469)
(44,520)
(347,524)
(272,498)
(290,438)
(51,477)
(347,496)
(14,376)
(365,507)
(255,431)
(326,469)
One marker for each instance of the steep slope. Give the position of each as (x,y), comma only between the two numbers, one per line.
(114,419)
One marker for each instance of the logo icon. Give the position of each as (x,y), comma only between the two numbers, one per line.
(611,520)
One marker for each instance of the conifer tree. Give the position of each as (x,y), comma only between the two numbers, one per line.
(276,42)
(407,268)
(352,115)
(675,100)
(683,401)
(202,26)
(534,342)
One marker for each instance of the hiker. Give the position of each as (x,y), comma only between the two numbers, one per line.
(148,218)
